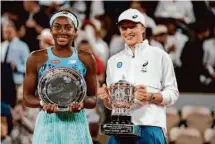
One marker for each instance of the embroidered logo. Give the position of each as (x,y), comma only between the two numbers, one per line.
(55,61)
(134,16)
(72,61)
(119,64)
(144,67)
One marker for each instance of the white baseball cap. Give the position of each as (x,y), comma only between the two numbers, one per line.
(159,29)
(132,15)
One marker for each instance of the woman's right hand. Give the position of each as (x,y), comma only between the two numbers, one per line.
(102,93)
(50,108)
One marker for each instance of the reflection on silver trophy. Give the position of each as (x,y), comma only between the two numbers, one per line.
(122,99)
(62,86)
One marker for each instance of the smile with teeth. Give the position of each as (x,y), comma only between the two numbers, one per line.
(62,36)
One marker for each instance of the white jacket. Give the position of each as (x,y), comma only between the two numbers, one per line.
(151,67)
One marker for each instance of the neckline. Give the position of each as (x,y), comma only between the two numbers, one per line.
(138,47)
(73,53)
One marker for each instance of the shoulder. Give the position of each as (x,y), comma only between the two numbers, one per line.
(155,50)
(158,54)
(116,56)
(23,44)
(37,55)
(86,57)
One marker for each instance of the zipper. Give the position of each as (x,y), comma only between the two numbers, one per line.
(131,70)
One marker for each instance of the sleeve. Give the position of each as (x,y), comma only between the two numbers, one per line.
(170,91)
(25,53)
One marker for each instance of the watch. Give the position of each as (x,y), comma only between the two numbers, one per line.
(152,99)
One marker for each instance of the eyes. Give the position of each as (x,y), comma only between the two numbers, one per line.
(123,28)
(59,27)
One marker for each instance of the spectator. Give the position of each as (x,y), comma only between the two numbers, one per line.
(46,39)
(100,69)
(139,5)
(13,56)
(208,78)
(159,37)
(6,124)
(24,119)
(175,41)
(192,60)
(35,21)
(179,10)
(17,50)
(90,32)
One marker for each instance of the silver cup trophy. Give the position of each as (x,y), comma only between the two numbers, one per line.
(62,86)
(122,99)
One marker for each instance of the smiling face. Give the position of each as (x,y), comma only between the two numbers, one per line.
(132,33)
(63,31)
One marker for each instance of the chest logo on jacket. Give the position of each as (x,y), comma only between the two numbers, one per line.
(144,67)
(119,64)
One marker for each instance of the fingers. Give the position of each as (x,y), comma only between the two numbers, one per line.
(140,90)
(76,107)
(102,92)
(104,86)
(50,108)
(139,87)
(143,97)
(103,96)
(142,94)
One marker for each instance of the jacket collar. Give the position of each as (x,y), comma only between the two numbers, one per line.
(138,48)
(14,40)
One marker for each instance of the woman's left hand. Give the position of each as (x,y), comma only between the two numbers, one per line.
(142,94)
(76,107)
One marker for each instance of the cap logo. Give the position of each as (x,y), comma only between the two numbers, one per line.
(134,16)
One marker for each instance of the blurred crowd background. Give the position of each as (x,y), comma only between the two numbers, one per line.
(184,29)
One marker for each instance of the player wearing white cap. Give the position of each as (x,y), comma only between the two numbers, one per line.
(151,70)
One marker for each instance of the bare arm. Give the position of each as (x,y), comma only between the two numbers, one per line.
(30,83)
(89,61)
(102,92)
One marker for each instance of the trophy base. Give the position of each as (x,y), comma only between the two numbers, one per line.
(121,130)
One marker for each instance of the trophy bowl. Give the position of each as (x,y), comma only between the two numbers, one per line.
(62,86)
(121,98)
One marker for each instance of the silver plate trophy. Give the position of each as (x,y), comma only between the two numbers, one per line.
(122,99)
(62,86)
